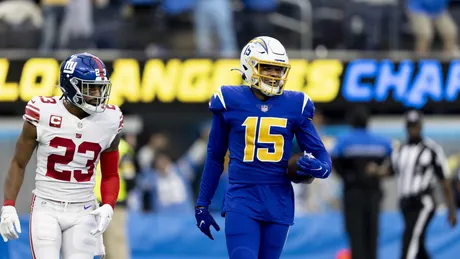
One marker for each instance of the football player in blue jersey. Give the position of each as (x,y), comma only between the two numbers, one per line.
(257,125)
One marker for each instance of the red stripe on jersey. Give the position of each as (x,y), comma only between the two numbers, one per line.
(32,113)
(121,125)
(33,107)
(29,119)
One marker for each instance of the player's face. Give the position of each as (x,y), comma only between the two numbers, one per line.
(162,163)
(271,74)
(414,130)
(158,141)
(93,92)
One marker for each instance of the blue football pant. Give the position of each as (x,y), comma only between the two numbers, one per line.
(251,239)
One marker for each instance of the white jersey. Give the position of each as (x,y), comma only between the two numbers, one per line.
(69,148)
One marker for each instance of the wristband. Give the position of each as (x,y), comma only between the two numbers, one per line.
(9,203)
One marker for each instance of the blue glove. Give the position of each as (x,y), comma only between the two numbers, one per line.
(309,165)
(204,221)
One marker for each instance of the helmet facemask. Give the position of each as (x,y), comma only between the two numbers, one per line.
(91,96)
(269,77)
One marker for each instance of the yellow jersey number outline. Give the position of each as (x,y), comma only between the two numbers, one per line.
(264,137)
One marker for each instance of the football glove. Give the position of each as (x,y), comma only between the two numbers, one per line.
(103,216)
(309,165)
(9,221)
(204,221)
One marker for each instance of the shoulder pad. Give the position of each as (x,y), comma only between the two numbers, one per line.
(308,107)
(116,117)
(217,102)
(33,107)
(32,111)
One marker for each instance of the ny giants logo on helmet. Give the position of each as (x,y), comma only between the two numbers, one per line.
(69,67)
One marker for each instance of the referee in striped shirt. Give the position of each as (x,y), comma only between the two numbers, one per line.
(416,164)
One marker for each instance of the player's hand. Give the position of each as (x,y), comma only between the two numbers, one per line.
(204,221)
(9,221)
(309,165)
(103,216)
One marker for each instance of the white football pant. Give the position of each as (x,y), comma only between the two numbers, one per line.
(59,228)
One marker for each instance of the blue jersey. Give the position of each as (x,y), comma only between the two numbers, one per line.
(258,135)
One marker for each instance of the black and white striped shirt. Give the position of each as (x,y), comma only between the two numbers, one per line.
(416,165)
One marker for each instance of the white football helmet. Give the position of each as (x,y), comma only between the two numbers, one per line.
(261,51)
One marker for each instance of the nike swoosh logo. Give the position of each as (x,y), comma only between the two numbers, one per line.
(325,172)
(87,206)
(199,212)
(317,169)
(201,223)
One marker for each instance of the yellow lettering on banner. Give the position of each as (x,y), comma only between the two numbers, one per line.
(297,75)
(39,77)
(323,80)
(194,85)
(187,81)
(125,81)
(223,75)
(160,81)
(8,91)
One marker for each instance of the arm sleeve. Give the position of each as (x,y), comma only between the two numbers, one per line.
(307,137)
(310,141)
(110,182)
(214,165)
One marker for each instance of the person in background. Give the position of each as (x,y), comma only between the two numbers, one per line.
(115,241)
(146,154)
(422,15)
(215,16)
(454,168)
(53,14)
(416,164)
(255,19)
(353,155)
(168,182)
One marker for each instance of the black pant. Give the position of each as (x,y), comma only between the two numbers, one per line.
(362,208)
(417,213)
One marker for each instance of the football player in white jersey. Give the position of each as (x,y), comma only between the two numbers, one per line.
(71,134)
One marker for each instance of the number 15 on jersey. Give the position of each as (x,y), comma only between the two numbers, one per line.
(262,126)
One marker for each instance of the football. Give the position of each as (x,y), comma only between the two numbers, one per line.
(292,171)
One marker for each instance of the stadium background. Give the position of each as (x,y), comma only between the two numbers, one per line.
(162,85)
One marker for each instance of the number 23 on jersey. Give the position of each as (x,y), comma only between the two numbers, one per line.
(71,149)
(262,126)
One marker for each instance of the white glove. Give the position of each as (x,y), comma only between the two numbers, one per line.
(9,221)
(103,217)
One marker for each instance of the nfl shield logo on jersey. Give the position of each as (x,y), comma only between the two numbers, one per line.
(264,108)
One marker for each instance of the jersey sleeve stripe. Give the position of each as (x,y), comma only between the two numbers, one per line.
(306,98)
(32,107)
(30,119)
(219,94)
(33,113)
